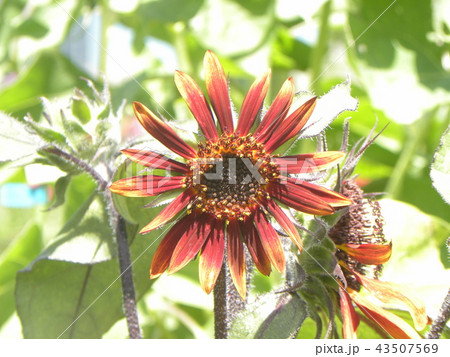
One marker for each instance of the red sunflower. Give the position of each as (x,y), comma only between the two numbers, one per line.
(231,184)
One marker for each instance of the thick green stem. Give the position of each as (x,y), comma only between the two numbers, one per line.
(415,133)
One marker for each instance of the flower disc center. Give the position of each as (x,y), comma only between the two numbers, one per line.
(230,175)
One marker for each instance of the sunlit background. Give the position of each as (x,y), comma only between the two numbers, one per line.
(396,54)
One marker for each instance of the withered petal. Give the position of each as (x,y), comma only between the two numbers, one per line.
(368,253)
(392,324)
(350,319)
(391,293)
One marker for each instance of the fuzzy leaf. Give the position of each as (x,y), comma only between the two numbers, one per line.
(270,316)
(20,252)
(328,107)
(81,110)
(13,134)
(60,191)
(440,168)
(47,134)
(72,290)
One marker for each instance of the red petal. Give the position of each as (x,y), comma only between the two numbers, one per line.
(300,199)
(236,258)
(170,211)
(217,86)
(255,247)
(290,126)
(154,160)
(252,104)
(334,199)
(191,241)
(277,111)
(146,185)
(270,241)
(162,132)
(391,293)
(372,254)
(392,324)
(285,223)
(163,254)
(211,257)
(305,163)
(197,103)
(350,319)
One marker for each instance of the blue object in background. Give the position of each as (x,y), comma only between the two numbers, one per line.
(20,195)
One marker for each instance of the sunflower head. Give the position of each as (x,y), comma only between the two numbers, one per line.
(230,186)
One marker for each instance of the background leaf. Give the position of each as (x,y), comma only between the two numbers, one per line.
(440,168)
(14,134)
(20,252)
(270,316)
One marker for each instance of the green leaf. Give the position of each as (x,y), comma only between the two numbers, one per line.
(73,288)
(81,110)
(270,316)
(60,191)
(86,238)
(49,75)
(32,28)
(317,260)
(13,134)
(47,134)
(20,252)
(286,49)
(169,10)
(440,168)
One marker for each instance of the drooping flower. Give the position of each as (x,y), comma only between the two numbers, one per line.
(362,249)
(230,184)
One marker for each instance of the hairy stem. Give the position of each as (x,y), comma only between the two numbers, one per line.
(128,291)
(80,163)
(227,301)
(439,323)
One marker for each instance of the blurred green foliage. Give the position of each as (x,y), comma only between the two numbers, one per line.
(397,55)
